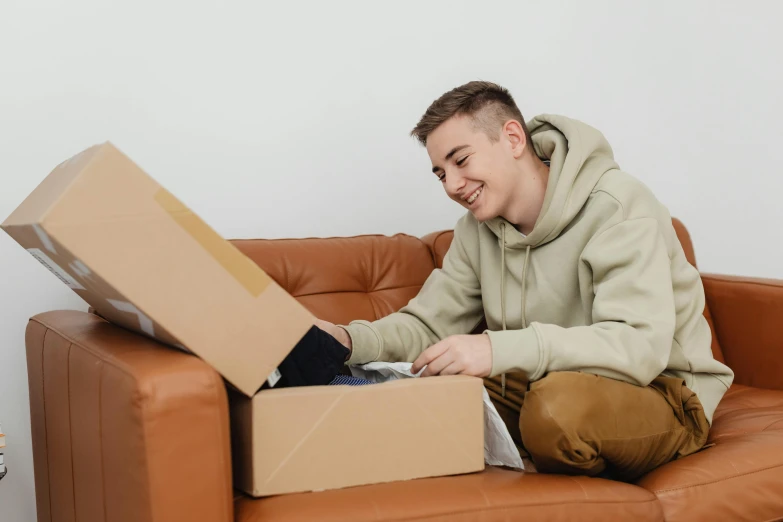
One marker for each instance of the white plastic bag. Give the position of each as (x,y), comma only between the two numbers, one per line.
(499,447)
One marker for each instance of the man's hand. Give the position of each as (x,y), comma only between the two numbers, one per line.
(336,332)
(458,354)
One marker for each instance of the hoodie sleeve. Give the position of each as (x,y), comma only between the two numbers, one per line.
(633,314)
(448,303)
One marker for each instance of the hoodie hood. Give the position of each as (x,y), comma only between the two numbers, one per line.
(579,155)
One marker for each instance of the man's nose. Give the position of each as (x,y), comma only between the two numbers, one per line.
(454,183)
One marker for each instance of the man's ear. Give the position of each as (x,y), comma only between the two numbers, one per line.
(515,135)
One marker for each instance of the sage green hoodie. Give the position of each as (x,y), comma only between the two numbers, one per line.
(600,285)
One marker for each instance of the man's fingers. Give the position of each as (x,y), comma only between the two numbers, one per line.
(439,364)
(323,325)
(429,355)
(454,368)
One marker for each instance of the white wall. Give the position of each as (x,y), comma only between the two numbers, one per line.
(290,120)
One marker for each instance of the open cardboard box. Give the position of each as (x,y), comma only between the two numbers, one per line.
(144,261)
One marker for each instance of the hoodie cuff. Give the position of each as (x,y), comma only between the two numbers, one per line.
(515,351)
(366,344)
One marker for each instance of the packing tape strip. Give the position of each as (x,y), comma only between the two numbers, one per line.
(247,273)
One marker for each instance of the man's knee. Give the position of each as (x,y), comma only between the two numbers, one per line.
(555,423)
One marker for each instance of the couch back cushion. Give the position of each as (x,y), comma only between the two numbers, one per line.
(341,279)
(440,241)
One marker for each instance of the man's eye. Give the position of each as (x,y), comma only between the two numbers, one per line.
(442,176)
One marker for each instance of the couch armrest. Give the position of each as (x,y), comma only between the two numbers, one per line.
(123,428)
(748,316)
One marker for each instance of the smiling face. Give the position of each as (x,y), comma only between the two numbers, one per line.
(480,174)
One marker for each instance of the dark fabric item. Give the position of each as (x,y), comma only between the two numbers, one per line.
(315,361)
(343,380)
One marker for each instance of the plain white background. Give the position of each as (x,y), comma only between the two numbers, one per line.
(274,119)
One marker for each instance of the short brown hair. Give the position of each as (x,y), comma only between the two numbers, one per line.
(489,105)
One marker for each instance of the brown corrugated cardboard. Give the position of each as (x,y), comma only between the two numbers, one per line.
(143,260)
(315,438)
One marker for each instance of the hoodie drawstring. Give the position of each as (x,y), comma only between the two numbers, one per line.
(524,289)
(503,293)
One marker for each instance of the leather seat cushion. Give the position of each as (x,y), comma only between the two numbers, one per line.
(494,494)
(740,476)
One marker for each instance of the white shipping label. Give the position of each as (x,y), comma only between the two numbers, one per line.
(274,377)
(54,268)
(45,239)
(145,323)
(80,268)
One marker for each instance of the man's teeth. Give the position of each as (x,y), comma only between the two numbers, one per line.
(473,196)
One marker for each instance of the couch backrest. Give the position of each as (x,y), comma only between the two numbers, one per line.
(345,278)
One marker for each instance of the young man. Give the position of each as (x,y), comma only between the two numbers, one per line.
(595,337)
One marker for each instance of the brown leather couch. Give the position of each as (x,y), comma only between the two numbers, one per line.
(127,430)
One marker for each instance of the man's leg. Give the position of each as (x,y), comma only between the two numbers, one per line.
(508,407)
(579,423)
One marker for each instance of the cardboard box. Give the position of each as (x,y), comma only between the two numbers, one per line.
(144,261)
(325,437)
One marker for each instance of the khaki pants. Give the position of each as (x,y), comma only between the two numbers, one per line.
(579,423)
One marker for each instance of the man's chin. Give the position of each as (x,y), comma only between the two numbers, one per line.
(480,216)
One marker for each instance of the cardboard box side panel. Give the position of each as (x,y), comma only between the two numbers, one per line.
(242,432)
(45,196)
(398,431)
(302,411)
